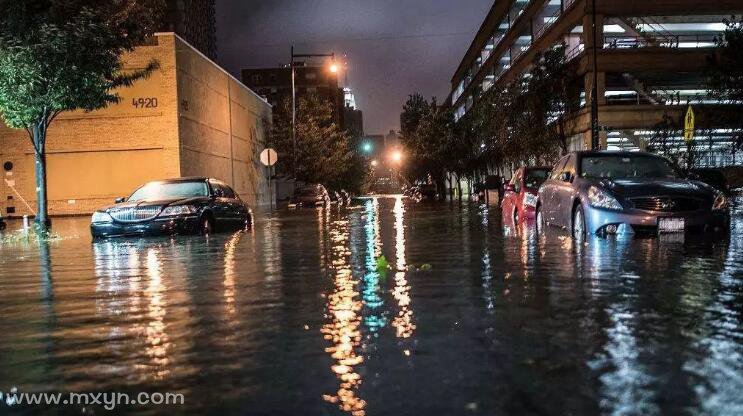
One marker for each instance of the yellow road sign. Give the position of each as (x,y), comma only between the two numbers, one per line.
(689,125)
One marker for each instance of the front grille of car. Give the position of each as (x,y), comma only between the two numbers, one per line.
(666,204)
(135,213)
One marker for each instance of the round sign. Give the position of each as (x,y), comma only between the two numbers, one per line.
(269,157)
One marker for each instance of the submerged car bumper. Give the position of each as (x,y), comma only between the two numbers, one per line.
(599,221)
(164,226)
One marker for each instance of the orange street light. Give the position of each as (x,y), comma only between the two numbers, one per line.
(396,156)
(334,68)
(374,163)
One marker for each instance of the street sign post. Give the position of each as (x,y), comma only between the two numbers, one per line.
(269,157)
(689,125)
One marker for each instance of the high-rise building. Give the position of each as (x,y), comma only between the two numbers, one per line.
(275,84)
(352,116)
(650,58)
(194,21)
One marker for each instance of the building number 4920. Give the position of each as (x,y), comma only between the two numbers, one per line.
(144,102)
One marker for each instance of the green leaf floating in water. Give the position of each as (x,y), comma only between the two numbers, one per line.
(382,264)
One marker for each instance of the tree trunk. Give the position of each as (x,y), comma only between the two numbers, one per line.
(42,214)
(459,188)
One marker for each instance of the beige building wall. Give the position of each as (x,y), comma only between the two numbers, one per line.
(222,125)
(175,123)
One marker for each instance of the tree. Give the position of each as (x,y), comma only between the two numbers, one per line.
(725,79)
(325,153)
(64,55)
(427,133)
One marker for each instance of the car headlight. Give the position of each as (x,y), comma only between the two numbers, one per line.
(600,199)
(530,200)
(178,210)
(101,217)
(721,202)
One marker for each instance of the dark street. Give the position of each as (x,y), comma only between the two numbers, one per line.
(387,308)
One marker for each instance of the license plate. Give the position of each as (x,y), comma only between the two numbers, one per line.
(671,225)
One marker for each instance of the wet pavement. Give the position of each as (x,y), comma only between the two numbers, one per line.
(300,317)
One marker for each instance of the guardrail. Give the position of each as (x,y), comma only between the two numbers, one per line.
(675,42)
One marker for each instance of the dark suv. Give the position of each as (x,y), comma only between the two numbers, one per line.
(608,192)
(174,206)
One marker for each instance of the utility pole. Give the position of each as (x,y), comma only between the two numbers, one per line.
(595,89)
(294,100)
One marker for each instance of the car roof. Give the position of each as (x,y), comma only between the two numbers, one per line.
(188,179)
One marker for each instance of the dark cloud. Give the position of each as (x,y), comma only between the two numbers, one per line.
(393,47)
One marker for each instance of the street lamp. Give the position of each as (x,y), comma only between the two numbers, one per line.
(333,68)
(367,147)
(396,156)
(374,163)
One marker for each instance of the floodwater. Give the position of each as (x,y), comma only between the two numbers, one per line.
(303,316)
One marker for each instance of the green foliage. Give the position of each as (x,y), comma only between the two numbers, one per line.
(428,137)
(59,56)
(725,67)
(64,55)
(522,122)
(725,79)
(325,153)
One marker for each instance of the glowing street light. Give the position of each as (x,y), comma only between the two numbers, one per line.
(334,68)
(374,163)
(396,156)
(367,147)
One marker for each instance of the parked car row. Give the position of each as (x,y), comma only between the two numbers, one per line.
(606,192)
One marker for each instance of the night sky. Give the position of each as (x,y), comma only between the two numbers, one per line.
(393,47)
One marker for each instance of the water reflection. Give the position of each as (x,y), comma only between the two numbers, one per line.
(343,329)
(130,282)
(374,319)
(403,322)
(501,323)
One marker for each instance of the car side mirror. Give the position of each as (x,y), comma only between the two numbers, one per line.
(120,200)
(566,177)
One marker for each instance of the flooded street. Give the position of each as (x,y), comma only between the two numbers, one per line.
(391,308)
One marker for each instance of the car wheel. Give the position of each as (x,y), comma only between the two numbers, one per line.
(207,226)
(579,224)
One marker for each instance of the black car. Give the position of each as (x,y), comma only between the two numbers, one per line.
(174,206)
(314,195)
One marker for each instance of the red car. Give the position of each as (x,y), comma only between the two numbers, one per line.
(520,198)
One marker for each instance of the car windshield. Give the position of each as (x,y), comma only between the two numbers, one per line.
(625,166)
(535,177)
(170,190)
(308,191)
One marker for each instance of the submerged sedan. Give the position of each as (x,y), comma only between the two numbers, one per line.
(174,206)
(609,192)
(520,199)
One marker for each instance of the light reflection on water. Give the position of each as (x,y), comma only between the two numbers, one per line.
(297,317)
